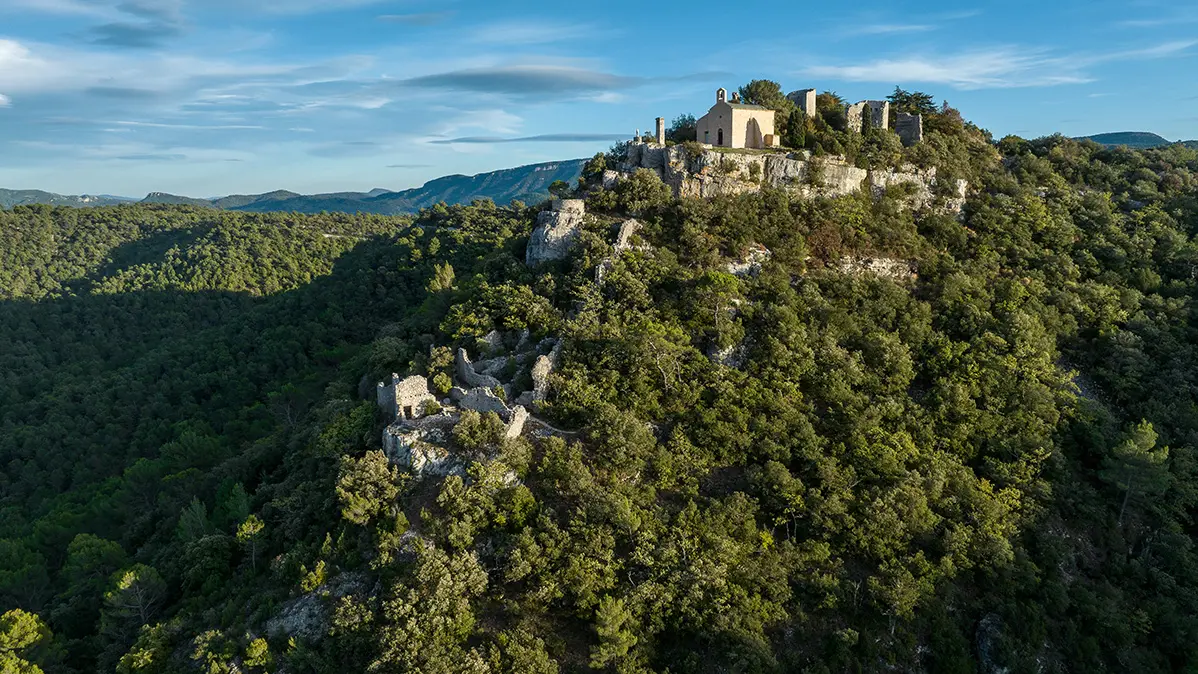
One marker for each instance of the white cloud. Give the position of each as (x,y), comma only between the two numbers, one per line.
(891,28)
(974,70)
(5,101)
(194,127)
(531,31)
(1004,67)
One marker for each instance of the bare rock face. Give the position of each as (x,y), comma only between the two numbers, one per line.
(420,447)
(628,229)
(711,173)
(515,427)
(750,263)
(897,270)
(556,231)
(307,616)
(468,375)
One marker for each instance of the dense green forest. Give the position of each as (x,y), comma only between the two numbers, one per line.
(988,466)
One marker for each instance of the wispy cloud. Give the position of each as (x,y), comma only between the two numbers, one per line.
(151,157)
(5,101)
(543,138)
(525,80)
(890,28)
(409,166)
(353,148)
(189,127)
(1004,67)
(144,35)
(418,19)
(532,31)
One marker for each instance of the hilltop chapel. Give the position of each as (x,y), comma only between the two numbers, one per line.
(735,124)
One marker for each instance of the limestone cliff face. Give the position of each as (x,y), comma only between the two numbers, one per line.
(556,231)
(712,173)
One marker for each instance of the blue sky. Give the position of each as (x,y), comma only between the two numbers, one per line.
(212,97)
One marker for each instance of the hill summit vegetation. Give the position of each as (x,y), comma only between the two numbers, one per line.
(987,465)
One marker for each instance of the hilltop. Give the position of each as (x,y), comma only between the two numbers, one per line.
(10,198)
(1139,140)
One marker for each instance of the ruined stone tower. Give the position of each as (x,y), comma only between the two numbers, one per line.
(909,128)
(805,99)
(661,130)
(879,115)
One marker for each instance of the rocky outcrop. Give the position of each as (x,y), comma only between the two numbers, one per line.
(515,427)
(710,173)
(750,263)
(419,447)
(556,231)
(897,270)
(307,616)
(628,229)
(469,376)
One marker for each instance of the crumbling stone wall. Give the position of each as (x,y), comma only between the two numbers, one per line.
(909,128)
(805,100)
(879,115)
(404,398)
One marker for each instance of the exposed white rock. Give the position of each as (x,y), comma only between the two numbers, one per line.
(628,229)
(898,270)
(709,173)
(515,427)
(307,616)
(556,231)
(494,340)
(750,263)
(420,447)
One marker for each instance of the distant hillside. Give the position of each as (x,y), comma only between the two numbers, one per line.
(1139,140)
(525,183)
(164,198)
(10,198)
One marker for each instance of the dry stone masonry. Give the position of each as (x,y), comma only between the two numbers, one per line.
(879,115)
(404,398)
(909,128)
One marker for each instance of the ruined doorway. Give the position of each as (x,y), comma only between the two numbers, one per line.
(408,413)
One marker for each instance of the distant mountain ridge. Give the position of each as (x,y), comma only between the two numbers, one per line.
(524,183)
(10,198)
(1138,140)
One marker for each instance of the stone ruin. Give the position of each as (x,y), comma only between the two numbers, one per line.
(909,128)
(805,100)
(419,442)
(879,115)
(711,173)
(404,398)
(556,231)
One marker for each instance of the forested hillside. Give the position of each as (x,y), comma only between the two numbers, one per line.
(986,465)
